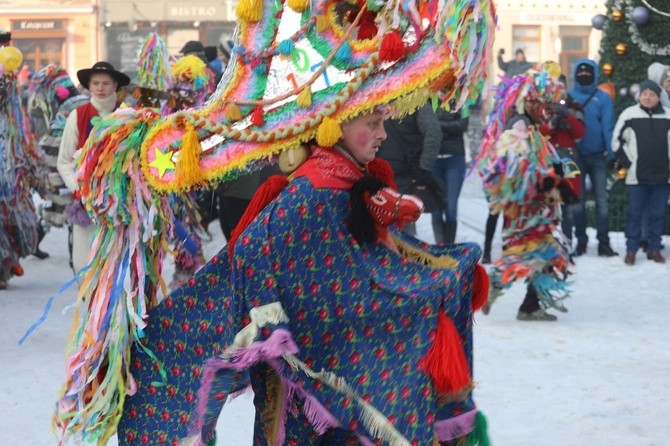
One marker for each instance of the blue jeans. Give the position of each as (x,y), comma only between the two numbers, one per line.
(654,199)
(595,166)
(451,171)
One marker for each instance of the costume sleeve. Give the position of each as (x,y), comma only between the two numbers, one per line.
(430,128)
(577,128)
(68,146)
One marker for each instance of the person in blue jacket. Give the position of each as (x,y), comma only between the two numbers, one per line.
(595,154)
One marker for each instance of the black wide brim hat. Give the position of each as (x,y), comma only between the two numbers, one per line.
(84,75)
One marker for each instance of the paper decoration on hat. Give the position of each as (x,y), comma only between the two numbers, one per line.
(293,66)
(149,88)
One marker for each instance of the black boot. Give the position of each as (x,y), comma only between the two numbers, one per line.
(40,235)
(450,231)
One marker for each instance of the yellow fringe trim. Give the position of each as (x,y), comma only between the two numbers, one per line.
(233,112)
(322,23)
(421,257)
(298,5)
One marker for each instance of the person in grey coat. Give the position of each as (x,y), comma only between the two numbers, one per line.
(515,66)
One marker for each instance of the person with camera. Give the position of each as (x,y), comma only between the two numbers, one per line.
(515,66)
(411,148)
(565,126)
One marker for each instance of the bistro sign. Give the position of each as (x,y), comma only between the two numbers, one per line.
(191,12)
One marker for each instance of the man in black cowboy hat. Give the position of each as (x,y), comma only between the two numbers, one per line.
(102,81)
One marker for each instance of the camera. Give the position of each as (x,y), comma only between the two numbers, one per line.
(559,111)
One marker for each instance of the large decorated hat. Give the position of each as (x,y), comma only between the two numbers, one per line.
(300,68)
(149,87)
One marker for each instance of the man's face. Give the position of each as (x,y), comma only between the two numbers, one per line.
(666,85)
(520,57)
(363,135)
(649,99)
(102,85)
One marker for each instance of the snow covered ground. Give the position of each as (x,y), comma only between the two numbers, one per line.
(600,375)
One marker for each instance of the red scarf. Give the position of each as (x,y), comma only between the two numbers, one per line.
(329,168)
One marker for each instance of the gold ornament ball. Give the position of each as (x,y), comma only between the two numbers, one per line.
(608,69)
(617,15)
(621,49)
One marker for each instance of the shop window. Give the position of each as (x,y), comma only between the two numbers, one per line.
(38,53)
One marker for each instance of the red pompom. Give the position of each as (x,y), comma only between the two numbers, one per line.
(480,288)
(445,361)
(392,47)
(264,195)
(382,170)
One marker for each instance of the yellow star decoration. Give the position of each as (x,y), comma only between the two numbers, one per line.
(162,162)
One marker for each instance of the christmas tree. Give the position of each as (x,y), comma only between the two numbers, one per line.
(636,33)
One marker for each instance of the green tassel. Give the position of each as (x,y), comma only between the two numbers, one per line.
(479,435)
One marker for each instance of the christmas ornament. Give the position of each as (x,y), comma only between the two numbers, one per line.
(598,21)
(640,15)
(634,89)
(608,69)
(617,15)
(621,49)
(623,92)
(608,87)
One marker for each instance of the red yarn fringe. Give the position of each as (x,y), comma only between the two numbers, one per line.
(367,30)
(480,288)
(392,47)
(257,116)
(445,361)
(264,195)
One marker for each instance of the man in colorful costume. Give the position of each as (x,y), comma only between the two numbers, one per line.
(523,180)
(309,285)
(20,168)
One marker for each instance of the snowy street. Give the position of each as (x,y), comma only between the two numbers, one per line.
(597,376)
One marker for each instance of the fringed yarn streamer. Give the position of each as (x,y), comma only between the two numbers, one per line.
(249,10)
(328,133)
(188,172)
(257,116)
(263,196)
(322,23)
(445,361)
(298,5)
(392,47)
(479,435)
(233,112)
(121,282)
(304,99)
(480,288)
(153,63)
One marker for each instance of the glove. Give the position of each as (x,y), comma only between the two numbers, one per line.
(558,169)
(546,185)
(422,176)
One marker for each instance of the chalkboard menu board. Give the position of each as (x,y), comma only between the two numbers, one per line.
(123,46)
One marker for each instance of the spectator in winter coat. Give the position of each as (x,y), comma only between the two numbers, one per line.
(450,169)
(515,66)
(411,148)
(103,81)
(642,144)
(594,150)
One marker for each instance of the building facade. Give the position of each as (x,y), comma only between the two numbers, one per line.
(558,30)
(64,32)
